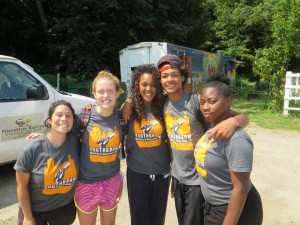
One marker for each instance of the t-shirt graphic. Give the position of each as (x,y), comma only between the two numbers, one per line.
(59,179)
(103,145)
(179,132)
(200,153)
(148,134)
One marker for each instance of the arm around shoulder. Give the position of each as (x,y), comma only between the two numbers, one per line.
(126,109)
(226,128)
(241,119)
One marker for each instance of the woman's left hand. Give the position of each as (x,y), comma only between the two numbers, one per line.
(31,136)
(223,130)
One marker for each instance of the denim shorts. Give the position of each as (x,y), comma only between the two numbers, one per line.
(103,194)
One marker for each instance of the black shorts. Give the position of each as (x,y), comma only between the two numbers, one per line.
(252,213)
(64,215)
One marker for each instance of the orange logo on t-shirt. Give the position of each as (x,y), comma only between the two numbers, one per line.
(104,145)
(148,134)
(179,132)
(59,179)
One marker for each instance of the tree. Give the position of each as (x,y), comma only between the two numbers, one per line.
(273,61)
(20,31)
(90,34)
(240,28)
(44,22)
(79,38)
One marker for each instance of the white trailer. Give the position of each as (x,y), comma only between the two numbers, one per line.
(199,63)
(141,53)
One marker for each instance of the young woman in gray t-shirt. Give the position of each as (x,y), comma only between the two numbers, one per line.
(225,165)
(148,154)
(47,170)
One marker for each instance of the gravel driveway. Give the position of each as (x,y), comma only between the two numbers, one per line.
(276,175)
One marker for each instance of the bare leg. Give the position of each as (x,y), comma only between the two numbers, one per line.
(87,218)
(108,217)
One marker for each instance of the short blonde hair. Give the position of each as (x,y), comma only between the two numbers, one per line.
(105,75)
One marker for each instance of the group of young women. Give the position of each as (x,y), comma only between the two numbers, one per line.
(54,168)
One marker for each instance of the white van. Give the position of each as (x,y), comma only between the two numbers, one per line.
(25,98)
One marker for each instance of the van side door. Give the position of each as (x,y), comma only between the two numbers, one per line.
(24,102)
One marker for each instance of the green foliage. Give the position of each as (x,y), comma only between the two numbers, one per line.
(84,39)
(240,28)
(258,112)
(272,61)
(64,81)
(240,83)
(86,36)
(20,33)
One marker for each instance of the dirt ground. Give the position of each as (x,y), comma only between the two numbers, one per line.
(275,174)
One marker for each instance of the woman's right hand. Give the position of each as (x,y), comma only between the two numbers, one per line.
(31,136)
(87,107)
(126,109)
(29,221)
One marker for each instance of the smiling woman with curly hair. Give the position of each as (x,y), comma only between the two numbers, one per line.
(148,159)
(138,100)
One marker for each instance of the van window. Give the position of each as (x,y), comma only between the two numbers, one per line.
(16,84)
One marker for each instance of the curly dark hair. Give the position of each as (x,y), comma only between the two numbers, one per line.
(137,99)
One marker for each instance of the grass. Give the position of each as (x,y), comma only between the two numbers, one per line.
(258,113)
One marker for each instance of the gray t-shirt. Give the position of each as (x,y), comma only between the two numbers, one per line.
(53,171)
(215,160)
(184,130)
(146,146)
(100,148)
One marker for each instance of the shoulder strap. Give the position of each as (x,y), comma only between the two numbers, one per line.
(195,104)
(85,116)
(122,125)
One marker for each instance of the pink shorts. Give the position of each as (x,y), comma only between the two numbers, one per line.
(103,194)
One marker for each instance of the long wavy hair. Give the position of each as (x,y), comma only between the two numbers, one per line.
(138,102)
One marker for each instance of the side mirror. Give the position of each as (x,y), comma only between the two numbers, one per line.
(41,92)
(38,93)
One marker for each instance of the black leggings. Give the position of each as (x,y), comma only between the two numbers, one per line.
(148,196)
(252,213)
